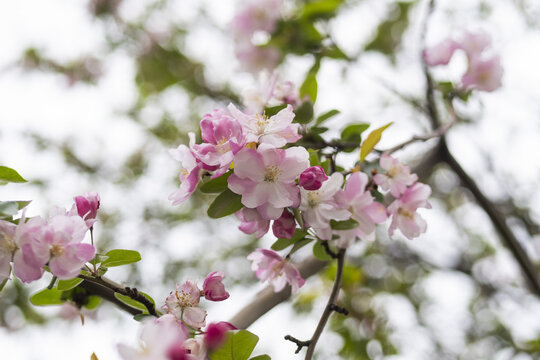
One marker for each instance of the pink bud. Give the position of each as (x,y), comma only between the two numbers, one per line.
(312,178)
(87,205)
(177,352)
(284,226)
(215,334)
(213,287)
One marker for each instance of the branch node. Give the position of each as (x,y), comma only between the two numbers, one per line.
(339,309)
(300,344)
(329,251)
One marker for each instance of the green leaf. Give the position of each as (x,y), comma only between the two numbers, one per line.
(320,9)
(141,317)
(314,157)
(343,225)
(8,175)
(47,297)
(304,113)
(282,243)
(300,244)
(238,346)
(390,31)
(261,357)
(353,134)
(68,284)
(216,185)
(130,302)
(120,257)
(309,86)
(325,116)
(226,203)
(273,110)
(3,283)
(10,208)
(92,302)
(320,252)
(372,139)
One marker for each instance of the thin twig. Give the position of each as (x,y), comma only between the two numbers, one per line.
(329,306)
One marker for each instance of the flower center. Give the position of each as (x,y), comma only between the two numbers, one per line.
(184,299)
(7,245)
(223,145)
(272,173)
(313,198)
(56,249)
(261,122)
(406,213)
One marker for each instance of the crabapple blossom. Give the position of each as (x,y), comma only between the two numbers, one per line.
(271,92)
(403,211)
(256,58)
(484,75)
(276,130)
(190,174)
(87,206)
(360,203)
(213,287)
(319,206)
(25,266)
(397,176)
(252,222)
(8,246)
(284,226)
(183,302)
(222,136)
(215,334)
(441,53)
(256,15)
(270,266)
(312,178)
(265,178)
(159,339)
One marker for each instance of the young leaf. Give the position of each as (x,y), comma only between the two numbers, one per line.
(314,157)
(8,175)
(304,113)
(373,139)
(47,297)
(226,203)
(343,225)
(327,115)
(300,244)
(320,252)
(273,110)
(353,134)
(238,346)
(93,302)
(133,303)
(261,357)
(120,257)
(215,186)
(68,284)
(282,243)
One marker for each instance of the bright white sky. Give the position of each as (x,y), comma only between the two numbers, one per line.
(506,128)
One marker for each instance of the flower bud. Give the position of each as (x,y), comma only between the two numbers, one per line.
(284,226)
(87,205)
(213,288)
(312,178)
(215,334)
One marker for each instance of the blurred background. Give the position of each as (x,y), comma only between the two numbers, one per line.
(94,93)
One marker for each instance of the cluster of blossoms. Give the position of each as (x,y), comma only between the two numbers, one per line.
(484,70)
(257,18)
(278,186)
(178,334)
(55,241)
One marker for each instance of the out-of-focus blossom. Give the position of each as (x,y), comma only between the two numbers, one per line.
(190,174)
(87,207)
(271,267)
(222,136)
(213,287)
(276,130)
(255,58)
(474,44)
(360,203)
(441,53)
(160,339)
(183,303)
(256,15)
(312,178)
(266,178)
(215,334)
(403,211)
(484,75)
(8,246)
(319,206)
(397,176)
(195,349)
(271,92)
(284,226)
(252,222)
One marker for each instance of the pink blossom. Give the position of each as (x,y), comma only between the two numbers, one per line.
(397,176)
(222,136)
(215,334)
(190,174)
(271,92)
(160,338)
(403,211)
(213,287)
(271,267)
(87,207)
(319,206)
(284,226)
(484,75)
(257,58)
(276,130)
(441,53)
(28,265)
(312,178)
(360,203)
(256,15)
(266,178)
(252,222)
(474,44)
(183,303)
